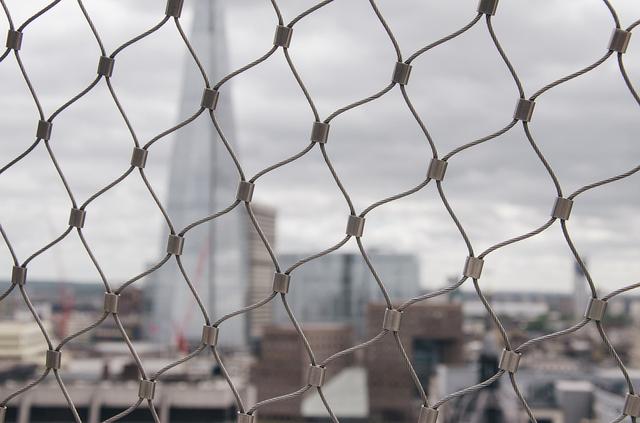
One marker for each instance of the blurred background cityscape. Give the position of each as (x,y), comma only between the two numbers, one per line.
(588,128)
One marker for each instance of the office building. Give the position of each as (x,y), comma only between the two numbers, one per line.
(337,287)
(260,271)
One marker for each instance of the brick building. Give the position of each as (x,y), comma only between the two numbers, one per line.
(283,363)
(431,334)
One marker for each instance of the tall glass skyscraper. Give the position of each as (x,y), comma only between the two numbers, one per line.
(203,180)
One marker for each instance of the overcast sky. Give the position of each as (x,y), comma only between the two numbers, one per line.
(587,128)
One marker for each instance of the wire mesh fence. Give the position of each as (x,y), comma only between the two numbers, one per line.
(613,49)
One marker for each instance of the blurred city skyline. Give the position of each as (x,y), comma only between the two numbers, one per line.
(218,327)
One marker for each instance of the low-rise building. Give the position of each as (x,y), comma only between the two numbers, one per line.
(22,341)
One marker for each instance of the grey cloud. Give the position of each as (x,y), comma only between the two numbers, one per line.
(461,89)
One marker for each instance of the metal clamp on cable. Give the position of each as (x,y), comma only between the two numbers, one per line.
(488,7)
(619,40)
(245,418)
(281,282)
(105,66)
(174,8)
(245,191)
(595,309)
(19,275)
(473,267)
(14,40)
(524,110)
(509,361)
(139,157)
(53,359)
(562,208)
(320,132)
(316,376)
(632,405)
(44,130)
(209,98)
(77,218)
(355,226)
(282,37)
(147,389)
(428,415)
(391,320)
(437,169)
(175,244)
(111,302)
(401,73)
(210,335)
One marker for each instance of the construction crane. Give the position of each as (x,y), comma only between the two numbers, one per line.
(181,339)
(66,295)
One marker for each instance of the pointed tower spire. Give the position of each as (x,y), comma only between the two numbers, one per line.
(203,180)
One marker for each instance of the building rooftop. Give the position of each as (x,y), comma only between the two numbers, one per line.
(346,392)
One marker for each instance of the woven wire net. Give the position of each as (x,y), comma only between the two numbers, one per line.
(320,135)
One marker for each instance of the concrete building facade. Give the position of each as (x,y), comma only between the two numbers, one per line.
(22,341)
(175,403)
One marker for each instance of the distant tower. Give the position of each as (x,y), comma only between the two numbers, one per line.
(203,181)
(489,356)
(581,293)
(260,278)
